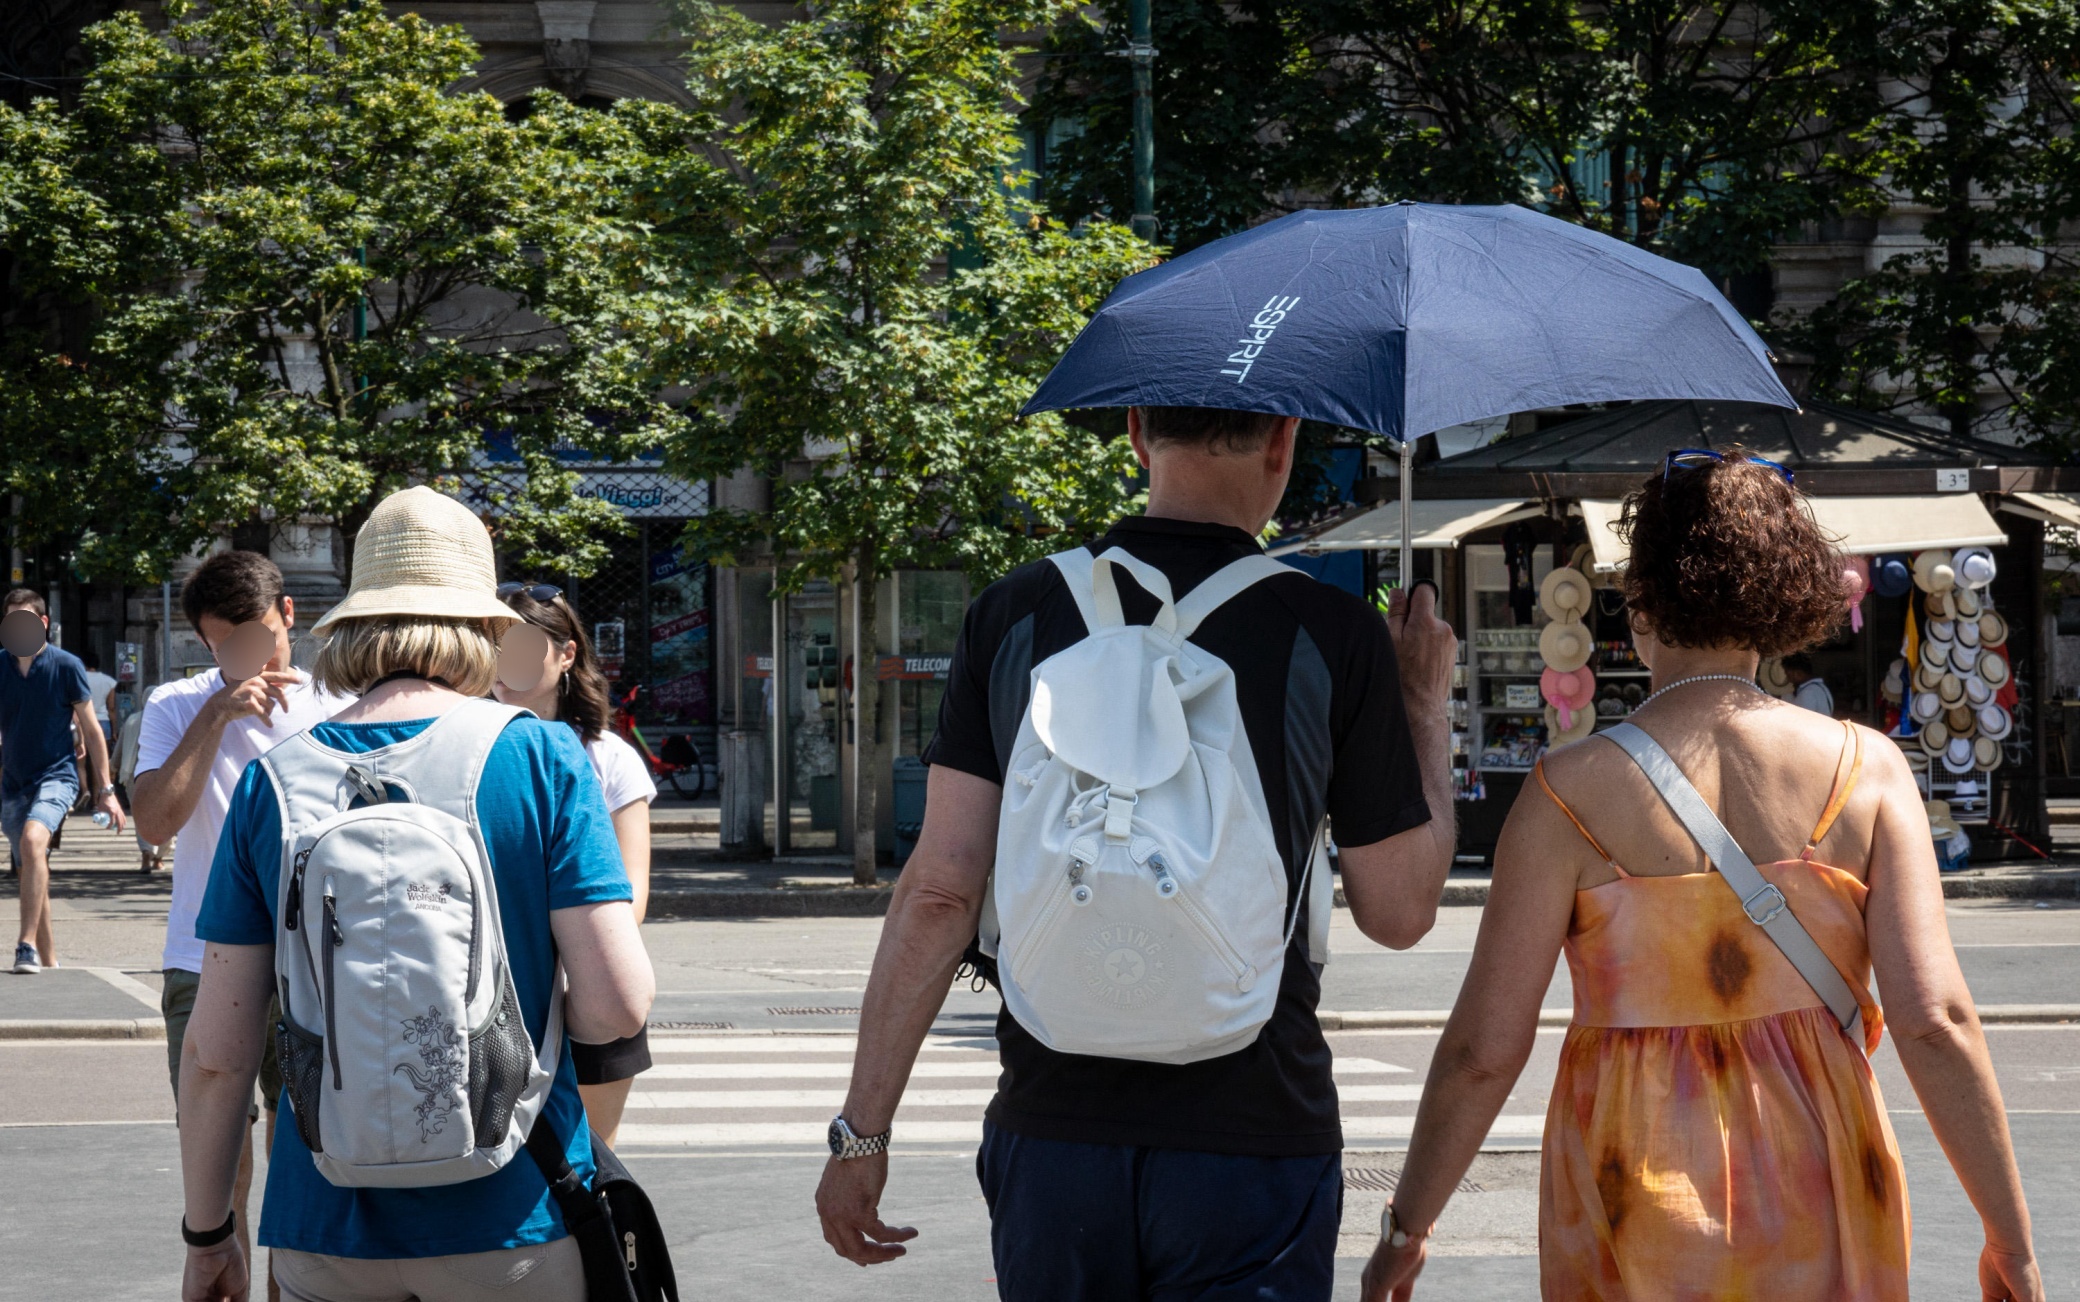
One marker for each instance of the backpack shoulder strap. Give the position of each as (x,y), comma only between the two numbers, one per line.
(1764,904)
(1223,586)
(444,769)
(1076,565)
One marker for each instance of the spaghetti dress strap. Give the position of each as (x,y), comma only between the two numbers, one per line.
(1538,770)
(1846,770)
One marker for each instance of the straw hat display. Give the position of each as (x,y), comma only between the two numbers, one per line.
(1993,630)
(1934,736)
(1772,679)
(1966,603)
(1568,693)
(1933,571)
(1936,653)
(1584,724)
(1993,667)
(1951,690)
(1894,687)
(1977,690)
(1565,645)
(1975,567)
(422,554)
(1927,705)
(1958,755)
(1986,754)
(1565,594)
(1994,723)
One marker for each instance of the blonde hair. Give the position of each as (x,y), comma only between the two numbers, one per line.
(355,653)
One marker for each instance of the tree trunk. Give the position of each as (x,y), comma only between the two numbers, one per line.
(1959,126)
(866,746)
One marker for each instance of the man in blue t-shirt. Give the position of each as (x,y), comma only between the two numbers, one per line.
(43,696)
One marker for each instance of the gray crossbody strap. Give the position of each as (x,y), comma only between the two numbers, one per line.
(1764,904)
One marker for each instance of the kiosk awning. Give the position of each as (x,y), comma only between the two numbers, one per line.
(1865,525)
(1435,524)
(2051,508)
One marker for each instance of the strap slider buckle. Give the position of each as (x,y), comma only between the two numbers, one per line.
(1119,813)
(1773,903)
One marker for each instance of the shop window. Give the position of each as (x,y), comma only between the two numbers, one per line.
(929,607)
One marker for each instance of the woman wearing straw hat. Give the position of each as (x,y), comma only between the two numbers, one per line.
(1715,1127)
(416,639)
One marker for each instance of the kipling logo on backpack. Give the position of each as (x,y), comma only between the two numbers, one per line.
(387,903)
(1139,904)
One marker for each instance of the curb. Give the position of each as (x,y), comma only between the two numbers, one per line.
(836,902)
(1433,1018)
(82,1028)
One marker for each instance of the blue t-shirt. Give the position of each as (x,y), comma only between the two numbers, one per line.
(552,847)
(36,716)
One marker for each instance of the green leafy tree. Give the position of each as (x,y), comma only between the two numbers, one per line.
(310,274)
(867,303)
(1704,129)
(1979,320)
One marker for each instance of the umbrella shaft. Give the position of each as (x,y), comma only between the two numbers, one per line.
(1408,483)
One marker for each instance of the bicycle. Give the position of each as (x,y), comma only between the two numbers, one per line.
(678,763)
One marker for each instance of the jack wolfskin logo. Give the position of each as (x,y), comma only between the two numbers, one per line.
(425,897)
(1257,334)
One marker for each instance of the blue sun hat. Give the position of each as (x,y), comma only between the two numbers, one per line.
(1890,576)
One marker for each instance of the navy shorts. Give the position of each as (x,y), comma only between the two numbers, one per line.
(1111,1223)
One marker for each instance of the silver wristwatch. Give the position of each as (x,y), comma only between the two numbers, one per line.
(846,1145)
(1391,1229)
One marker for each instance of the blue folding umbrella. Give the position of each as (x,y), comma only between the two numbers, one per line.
(1410,318)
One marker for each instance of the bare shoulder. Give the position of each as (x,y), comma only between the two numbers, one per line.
(1885,767)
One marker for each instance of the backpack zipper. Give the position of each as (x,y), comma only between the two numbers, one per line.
(1071,884)
(332,941)
(476,938)
(1170,888)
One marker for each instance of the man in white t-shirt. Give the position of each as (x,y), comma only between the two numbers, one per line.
(197,736)
(100,687)
(1807,687)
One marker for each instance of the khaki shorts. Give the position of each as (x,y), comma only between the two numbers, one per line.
(177,1004)
(538,1272)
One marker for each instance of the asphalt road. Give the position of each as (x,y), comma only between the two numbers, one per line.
(726,1131)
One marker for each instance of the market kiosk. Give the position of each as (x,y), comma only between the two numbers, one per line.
(1493,524)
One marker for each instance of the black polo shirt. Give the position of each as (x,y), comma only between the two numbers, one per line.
(1320,697)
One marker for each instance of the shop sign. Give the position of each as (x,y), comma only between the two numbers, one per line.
(683,697)
(695,621)
(1953,481)
(758,666)
(924,668)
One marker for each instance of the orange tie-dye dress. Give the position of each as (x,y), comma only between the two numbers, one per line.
(1713,1134)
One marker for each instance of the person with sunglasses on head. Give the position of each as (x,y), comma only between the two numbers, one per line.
(193,743)
(1725,872)
(43,697)
(546,664)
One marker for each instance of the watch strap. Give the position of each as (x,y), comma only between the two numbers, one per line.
(209,1238)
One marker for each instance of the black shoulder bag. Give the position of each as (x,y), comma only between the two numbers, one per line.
(616,1227)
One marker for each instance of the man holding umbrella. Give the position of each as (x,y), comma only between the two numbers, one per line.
(1132,1172)
(1108,1176)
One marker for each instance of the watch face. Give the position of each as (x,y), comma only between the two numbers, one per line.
(837,1135)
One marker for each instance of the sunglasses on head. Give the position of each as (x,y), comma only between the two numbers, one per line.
(1691,458)
(542,592)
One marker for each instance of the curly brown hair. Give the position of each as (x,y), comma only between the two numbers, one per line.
(1728,555)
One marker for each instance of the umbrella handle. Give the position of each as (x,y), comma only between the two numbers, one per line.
(1408,476)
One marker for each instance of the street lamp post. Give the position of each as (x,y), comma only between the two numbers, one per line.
(1142,54)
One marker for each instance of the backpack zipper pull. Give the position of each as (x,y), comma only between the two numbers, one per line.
(294,911)
(332,913)
(1166,885)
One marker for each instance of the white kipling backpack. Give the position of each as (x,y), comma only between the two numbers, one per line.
(403,1048)
(1139,906)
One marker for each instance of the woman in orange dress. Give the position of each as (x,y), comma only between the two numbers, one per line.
(1715,1132)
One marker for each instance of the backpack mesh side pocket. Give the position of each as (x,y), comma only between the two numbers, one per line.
(303,1071)
(500,1060)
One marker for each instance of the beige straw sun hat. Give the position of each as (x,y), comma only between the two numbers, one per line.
(422,555)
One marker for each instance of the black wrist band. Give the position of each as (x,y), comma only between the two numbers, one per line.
(213,1237)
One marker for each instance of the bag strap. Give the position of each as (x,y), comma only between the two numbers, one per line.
(585,1215)
(1764,904)
(1223,586)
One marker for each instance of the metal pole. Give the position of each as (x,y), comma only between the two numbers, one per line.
(1142,55)
(166,631)
(1408,480)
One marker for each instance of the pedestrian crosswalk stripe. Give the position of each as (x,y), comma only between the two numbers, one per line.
(680,1045)
(810,1134)
(975,1098)
(842,1070)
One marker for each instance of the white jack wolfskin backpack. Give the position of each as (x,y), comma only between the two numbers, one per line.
(402,1044)
(1139,906)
